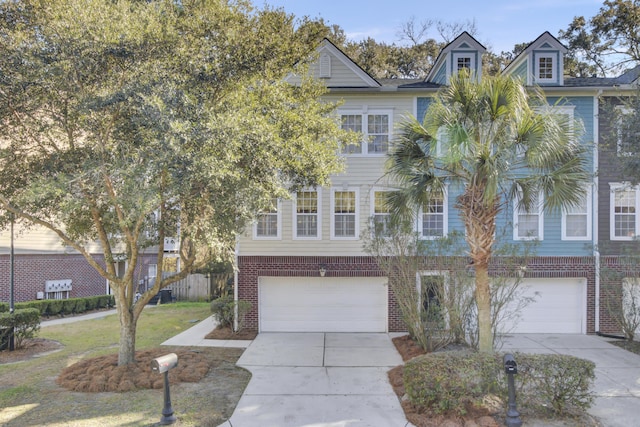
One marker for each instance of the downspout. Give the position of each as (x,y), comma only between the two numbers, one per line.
(235,285)
(596,216)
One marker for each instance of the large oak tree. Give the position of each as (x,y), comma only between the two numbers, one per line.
(124,122)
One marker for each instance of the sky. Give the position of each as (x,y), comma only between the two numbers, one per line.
(501,24)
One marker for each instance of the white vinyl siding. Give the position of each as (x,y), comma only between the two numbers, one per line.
(307,215)
(624,212)
(576,220)
(344,213)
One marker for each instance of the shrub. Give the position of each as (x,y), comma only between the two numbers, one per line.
(224,310)
(40,305)
(448,381)
(54,307)
(4,307)
(81,305)
(69,306)
(91,303)
(25,324)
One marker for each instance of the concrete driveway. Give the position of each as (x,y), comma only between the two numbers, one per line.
(319,380)
(617,384)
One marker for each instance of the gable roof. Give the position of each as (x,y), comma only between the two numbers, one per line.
(464,41)
(544,41)
(357,72)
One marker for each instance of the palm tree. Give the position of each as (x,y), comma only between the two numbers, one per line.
(499,141)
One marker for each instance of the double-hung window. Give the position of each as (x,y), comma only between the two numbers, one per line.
(432,221)
(528,224)
(576,220)
(624,212)
(344,214)
(268,223)
(373,125)
(306,213)
(628,132)
(380,214)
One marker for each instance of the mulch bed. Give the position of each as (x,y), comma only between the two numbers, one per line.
(33,347)
(227,333)
(475,416)
(102,374)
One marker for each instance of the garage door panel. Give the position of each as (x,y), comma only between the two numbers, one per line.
(559,306)
(323,304)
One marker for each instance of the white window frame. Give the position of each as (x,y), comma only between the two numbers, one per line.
(445,218)
(373,213)
(615,187)
(540,213)
(554,67)
(366,145)
(446,283)
(356,214)
(464,55)
(587,214)
(294,221)
(623,111)
(278,214)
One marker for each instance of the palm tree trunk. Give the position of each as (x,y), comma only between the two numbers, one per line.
(483,301)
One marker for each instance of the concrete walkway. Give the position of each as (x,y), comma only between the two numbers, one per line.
(617,384)
(319,379)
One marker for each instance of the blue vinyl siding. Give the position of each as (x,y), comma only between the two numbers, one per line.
(441,75)
(521,71)
(422,104)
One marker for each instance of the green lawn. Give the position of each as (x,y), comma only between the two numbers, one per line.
(29,395)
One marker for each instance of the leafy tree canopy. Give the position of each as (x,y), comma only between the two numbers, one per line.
(125,122)
(605,43)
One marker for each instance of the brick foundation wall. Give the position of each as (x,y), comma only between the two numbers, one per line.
(614,269)
(250,268)
(31,272)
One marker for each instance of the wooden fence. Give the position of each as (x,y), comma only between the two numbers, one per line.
(198,287)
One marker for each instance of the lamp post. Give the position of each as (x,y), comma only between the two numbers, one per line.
(11,283)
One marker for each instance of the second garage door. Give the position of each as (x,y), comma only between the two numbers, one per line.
(322,304)
(559,307)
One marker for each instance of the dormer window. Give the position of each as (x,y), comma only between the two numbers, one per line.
(463,61)
(545,68)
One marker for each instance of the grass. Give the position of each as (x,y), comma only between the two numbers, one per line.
(29,395)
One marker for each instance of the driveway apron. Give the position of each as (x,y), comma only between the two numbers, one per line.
(319,380)
(617,384)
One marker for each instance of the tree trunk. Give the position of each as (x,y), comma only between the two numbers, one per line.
(483,301)
(128,323)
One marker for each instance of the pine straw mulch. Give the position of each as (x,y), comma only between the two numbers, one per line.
(476,416)
(103,373)
(227,333)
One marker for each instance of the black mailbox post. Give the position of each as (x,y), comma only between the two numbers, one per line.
(511,368)
(162,365)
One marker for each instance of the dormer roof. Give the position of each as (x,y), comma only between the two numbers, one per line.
(463,52)
(540,63)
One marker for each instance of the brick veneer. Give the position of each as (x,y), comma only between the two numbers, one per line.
(31,272)
(250,268)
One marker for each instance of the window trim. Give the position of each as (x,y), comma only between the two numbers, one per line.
(446,283)
(612,204)
(623,111)
(372,206)
(278,214)
(365,112)
(554,67)
(588,213)
(540,213)
(463,55)
(294,221)
(356,192)
(445,218)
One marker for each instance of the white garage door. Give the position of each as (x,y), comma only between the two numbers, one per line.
(559,307)
(322,304)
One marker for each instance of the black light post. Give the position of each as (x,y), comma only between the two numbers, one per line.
(511,368)
(11,284)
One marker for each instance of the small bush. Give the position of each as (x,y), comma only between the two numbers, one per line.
(224,309)
(54,307)
(81,305)
(69,306)
(25,324)
(40,305)
(91,303)
(448,381)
